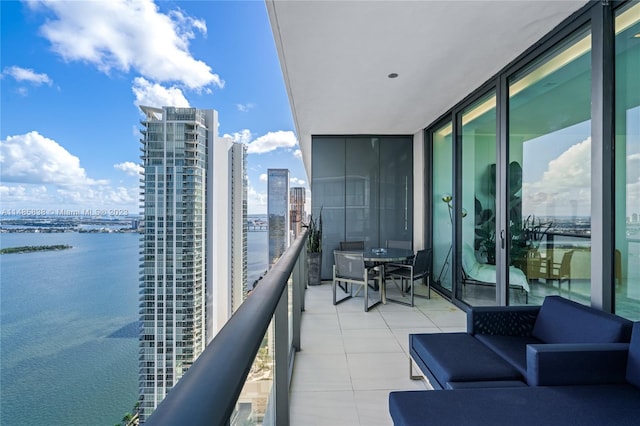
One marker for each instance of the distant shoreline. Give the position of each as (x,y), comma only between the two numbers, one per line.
(31,249)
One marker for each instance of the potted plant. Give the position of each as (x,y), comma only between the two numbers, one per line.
(314,249)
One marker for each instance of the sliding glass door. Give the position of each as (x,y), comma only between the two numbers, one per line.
(627,162)
(442,230)
(478,172)
(549,175)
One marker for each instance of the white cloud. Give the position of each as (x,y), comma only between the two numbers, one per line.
(257,201)
(298,154)
(243,136)
(245,107)
(156,95)
(33,158)
(37,172)
(565,187)
(272,141)
(123,35)
(130,168)
(28,75)
(297,182)
(264,177)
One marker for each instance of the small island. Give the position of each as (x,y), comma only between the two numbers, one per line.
(29,249)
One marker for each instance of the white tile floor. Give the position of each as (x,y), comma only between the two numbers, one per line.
(351,359)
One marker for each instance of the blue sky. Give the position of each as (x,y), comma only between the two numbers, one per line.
(72,75)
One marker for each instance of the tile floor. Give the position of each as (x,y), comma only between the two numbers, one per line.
(350,359)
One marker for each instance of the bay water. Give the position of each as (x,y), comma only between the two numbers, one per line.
(68,327)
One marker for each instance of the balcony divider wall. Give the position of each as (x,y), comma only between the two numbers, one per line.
(554,172)
(364,187)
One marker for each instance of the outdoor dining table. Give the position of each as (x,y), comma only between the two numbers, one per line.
(381,256)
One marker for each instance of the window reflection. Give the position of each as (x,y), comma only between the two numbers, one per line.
(479,198)
(442,190)
(549,174)
(627,163)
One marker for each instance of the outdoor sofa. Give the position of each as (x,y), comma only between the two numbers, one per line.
(518,345)
(586,397)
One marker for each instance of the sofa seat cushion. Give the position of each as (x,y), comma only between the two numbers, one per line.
(563,321)
(453,357)
(555,405)
(511,348)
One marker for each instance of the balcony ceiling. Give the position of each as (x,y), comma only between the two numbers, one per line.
(336,56)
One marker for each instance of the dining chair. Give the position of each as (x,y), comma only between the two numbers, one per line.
(350,270)
(401,244)
(417,270)
(351,245)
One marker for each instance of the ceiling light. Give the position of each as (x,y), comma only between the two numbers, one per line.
(636,35)
(393,75)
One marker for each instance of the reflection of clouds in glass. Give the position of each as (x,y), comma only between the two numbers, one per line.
(633,168)
(565,186)
(633,184)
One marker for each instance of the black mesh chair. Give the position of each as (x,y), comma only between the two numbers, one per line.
(349,269)
(418,270)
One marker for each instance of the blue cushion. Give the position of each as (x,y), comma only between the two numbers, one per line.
(511,348)
(455,357)
(523,406)
(563,321)
(633,362)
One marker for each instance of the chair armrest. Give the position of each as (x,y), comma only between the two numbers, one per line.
(576,363)
(397,265)
(502,320)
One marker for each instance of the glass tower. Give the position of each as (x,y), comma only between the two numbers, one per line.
(175,147)
(278,212)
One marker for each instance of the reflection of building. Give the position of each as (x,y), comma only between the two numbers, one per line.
(278,212)
(297,198)
(194,223)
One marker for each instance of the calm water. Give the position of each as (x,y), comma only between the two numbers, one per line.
(68,342)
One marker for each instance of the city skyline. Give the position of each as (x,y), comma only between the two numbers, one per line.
(69,128)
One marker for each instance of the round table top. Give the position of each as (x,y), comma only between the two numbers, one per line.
(387,254)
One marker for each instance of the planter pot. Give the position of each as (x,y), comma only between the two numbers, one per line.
(314,261)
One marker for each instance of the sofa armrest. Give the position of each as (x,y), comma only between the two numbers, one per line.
(576,363)
(502,320)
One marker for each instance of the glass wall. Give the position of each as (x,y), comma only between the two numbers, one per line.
(364,185)
(361,197)
(328,194)
(549,175)
(627,162)
(479,203)
(442,205)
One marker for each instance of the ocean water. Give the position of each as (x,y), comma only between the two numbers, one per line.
(68,334)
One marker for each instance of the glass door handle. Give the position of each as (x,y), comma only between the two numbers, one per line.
(502,239)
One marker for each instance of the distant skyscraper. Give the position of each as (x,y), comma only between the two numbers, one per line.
(278,212)
(187,244)
(239,186)
(297,199)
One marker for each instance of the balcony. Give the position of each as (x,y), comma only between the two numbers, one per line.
(338,363)
(350,360)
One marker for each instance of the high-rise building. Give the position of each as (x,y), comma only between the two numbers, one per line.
(278,212)
(297,199)
(239,187)
(194,193)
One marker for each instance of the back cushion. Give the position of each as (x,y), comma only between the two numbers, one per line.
(633,362)
(563,321)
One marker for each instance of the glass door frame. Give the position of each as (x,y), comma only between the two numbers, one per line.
(600,17)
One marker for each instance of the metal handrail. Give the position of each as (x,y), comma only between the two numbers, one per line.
(209,390)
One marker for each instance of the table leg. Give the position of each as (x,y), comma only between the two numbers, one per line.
(383,288)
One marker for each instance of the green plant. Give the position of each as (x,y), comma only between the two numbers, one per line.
(314,239)
(525,234)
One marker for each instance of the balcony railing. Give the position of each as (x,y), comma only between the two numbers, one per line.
(209,392)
